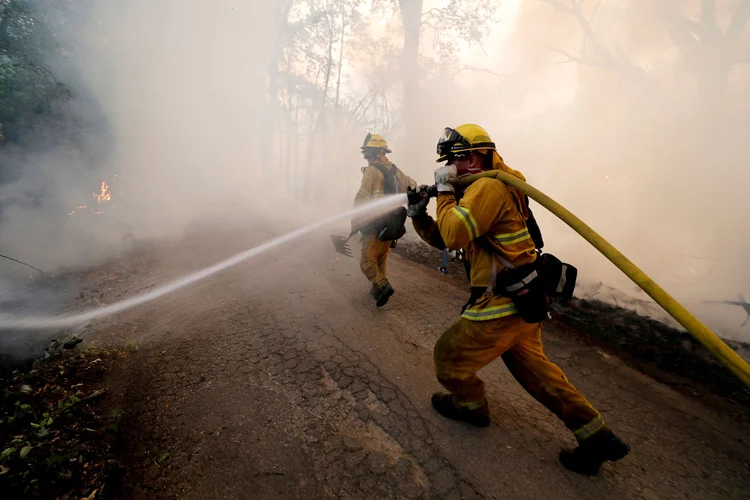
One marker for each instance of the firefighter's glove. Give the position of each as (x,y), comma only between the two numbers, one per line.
(446,178)
(418,200)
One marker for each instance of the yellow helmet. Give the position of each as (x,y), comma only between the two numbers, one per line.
(375,141)
(468,137)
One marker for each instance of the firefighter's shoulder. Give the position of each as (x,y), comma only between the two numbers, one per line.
(488,187)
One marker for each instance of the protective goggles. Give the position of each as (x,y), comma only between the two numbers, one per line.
(451,141)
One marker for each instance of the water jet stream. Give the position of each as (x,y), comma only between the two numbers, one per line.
(72,320)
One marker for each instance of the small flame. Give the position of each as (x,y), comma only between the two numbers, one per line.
(105,195)
(77,209)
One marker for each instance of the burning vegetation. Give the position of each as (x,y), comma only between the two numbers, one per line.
(104,197)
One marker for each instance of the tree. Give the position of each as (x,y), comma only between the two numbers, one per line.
(705,49)
(28,89)
(271,116)
(321,42)
(452,21)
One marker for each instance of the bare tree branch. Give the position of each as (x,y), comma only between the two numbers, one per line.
(480,70)
(367,108)
(579,60)
(360,104)
(708,14)
(738,22)
(602,57)
(430,13)
(593,14)
(686,34)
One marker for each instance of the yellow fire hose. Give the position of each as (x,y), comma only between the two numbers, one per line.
(726,355)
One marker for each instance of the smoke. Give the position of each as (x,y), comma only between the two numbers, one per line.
(181,87)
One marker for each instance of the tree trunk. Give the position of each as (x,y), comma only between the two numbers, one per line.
(319,125)
(411,17)
(270,118)
(341,58)
(293,180)
(710,53)
(290,131)
(4,22)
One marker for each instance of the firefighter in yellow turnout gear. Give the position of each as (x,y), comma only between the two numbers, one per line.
(380,178)
(491,221)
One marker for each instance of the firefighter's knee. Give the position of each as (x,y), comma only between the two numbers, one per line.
(442,356)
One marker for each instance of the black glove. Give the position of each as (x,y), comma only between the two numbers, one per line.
(418,199)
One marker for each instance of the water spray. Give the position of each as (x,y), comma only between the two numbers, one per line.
(73,320)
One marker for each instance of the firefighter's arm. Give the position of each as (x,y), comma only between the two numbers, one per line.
(427,229)
(366,187)
(404,181)
(463,222)
(364,194)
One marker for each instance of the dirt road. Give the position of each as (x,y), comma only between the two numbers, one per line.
(280,379)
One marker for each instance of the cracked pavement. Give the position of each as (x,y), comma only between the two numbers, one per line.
(280,379)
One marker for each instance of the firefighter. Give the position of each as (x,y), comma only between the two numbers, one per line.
(489,219)
(380,178)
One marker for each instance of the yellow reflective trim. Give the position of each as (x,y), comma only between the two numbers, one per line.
(589,429)
(489,313)
(511,238)
(464,214)
(364,193)
(474,405)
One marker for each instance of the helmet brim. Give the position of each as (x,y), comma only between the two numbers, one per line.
(385,150)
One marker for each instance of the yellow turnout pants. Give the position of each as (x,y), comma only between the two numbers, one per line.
(468,346)
(374,259)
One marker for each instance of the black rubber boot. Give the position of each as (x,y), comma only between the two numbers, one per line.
(591,453)
(375,292)
(384,294)
(443,404)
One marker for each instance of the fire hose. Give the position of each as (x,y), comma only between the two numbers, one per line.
(696,328)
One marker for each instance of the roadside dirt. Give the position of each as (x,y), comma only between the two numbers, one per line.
(279,378)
